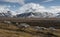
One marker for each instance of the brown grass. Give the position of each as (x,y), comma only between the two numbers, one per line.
(10,30)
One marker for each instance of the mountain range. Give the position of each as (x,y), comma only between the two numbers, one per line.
(31,15)
(36,15)
(6,14)
(30,10)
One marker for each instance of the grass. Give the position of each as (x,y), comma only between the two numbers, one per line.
(10,30)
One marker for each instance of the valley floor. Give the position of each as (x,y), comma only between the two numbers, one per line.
(10,30)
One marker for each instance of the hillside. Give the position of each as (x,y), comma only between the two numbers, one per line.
(44,22)
(11,30)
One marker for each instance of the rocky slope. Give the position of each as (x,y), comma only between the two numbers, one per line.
(11,30)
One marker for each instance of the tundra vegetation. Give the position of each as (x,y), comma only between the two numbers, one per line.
(23,29)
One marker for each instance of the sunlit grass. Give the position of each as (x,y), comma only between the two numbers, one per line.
(13,31)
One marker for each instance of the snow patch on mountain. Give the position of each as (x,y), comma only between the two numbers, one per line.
(40,11)
(6,12)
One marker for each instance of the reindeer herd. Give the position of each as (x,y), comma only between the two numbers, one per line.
(25,25)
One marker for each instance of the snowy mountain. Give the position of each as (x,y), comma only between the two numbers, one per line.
(58,16)
(30,10)
(35,11)
(36,15)
(6,14)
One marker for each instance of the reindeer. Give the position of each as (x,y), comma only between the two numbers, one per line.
(52,29)
(23,25)
(40,28)
(7,22)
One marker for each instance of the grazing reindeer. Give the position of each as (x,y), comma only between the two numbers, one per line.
(40,28)
(52,29)
(23,26)
(7,22)
(17,23)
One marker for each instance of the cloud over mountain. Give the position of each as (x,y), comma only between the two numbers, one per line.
(15,1)
(55,8)
(48,0)
(38,8)
(5,9)
(33,7)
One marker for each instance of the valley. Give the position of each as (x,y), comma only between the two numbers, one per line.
(29,27)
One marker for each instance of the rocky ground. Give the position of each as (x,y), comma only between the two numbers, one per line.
(11,30)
